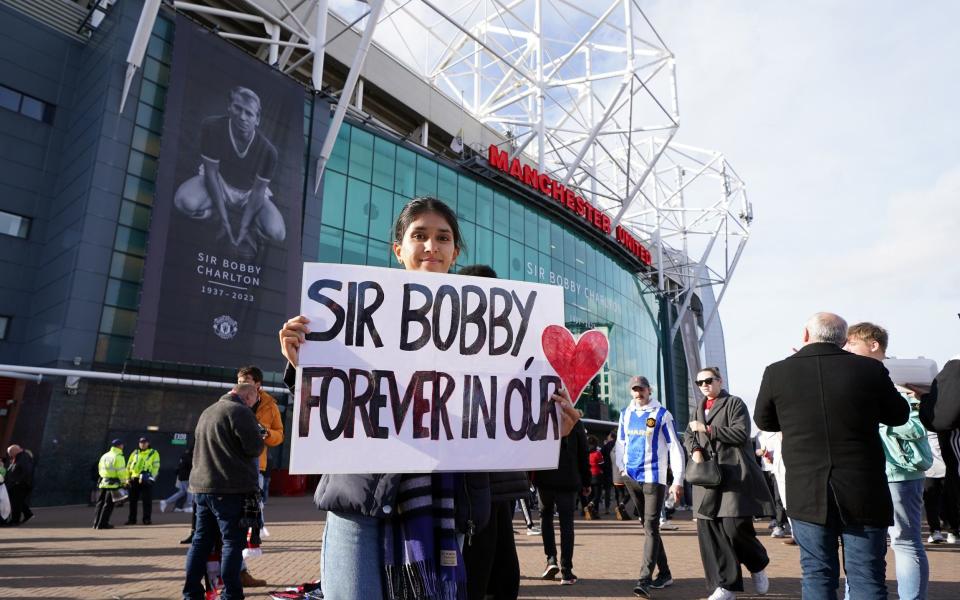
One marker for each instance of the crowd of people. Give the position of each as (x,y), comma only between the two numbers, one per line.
(844,458)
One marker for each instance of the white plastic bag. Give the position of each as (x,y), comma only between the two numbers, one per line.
(4,503)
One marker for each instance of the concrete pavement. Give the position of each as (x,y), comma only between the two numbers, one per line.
(58,555)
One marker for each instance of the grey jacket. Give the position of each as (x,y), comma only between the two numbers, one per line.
(226,450)
(743,490)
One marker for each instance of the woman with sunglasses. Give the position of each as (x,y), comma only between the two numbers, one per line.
(725,513)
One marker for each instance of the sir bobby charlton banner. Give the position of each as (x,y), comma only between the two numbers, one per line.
(406,372)
(223,263)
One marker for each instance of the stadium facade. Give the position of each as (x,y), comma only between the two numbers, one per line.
(83,186)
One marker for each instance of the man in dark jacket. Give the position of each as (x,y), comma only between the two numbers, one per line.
(19,482)
(558,491)
(223,480)
(829,403)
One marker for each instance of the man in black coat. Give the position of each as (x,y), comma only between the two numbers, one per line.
(19,484)
(829,403)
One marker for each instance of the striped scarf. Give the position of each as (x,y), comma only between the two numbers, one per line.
(422,557)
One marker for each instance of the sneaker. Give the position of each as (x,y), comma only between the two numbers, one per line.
(26,518)
(761,582)
(129,522)
(533,530)
(936,538)
(642,589)
(661,581)
(264,532)
(567,577)
(778,532)
(147,522)
(177,510)
(722,594)
(951,538)
(772,524)
(619,513)
(163,506)
(187,540)
(668,525)
(552,569)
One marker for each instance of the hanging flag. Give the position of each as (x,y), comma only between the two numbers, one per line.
(457,144)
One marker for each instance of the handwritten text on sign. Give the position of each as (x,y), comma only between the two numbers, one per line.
(416,372)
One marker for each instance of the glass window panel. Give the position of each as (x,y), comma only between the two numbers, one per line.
(146,141)
(131,240)
(501,213)
(4,327)
(501,255)
(468,231)
(153,94)
(516,260)
(334,199)
(556,242)
(384,156)
(139,190)
(127,267)
(516,221)
(530,224)
(406,172)
(32,108)
(381,213)
(530,265)
(569,249)
(9,99)
(330,242)
(142,165)
(163,28)
(156,71)
(122,293)
(483,247)
(148,117)
(426,176)
(484,206)
(354,249)
(377,253)
(159,49)
(358,206)
(15,225)
(581,256)
(543,234)
(118,321)
(112,349)
(361,154)
(340,155)
(447,186)
(466,198)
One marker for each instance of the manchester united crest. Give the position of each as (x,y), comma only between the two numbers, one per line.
(651,422)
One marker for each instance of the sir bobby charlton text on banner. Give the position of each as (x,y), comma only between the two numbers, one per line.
(409,373)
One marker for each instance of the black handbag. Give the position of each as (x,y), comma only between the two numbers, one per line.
(706,474)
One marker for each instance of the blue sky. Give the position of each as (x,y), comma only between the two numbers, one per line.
(843,120)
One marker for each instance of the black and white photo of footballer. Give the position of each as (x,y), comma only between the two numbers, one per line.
(232,188)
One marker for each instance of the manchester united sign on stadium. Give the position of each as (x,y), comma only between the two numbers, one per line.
(568,198)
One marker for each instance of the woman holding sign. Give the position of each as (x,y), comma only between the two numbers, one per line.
(391,535)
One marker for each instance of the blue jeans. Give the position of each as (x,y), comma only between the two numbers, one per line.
(864,558)
(351,560)
(913,570)
(218,516)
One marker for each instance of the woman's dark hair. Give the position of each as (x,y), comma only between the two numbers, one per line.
(426,204)
(714,370)
(478,271)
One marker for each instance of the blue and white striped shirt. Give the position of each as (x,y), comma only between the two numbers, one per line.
(646,438)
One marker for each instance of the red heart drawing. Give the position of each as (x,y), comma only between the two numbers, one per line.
(575,362)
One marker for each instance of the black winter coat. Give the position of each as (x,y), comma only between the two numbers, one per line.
(573,468)
(829,404)
(940,409)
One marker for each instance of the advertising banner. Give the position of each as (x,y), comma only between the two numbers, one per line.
(409,372)
(223,263)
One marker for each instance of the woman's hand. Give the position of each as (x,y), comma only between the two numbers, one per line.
(568,414)
(697,456)
(293,333)
(697,426)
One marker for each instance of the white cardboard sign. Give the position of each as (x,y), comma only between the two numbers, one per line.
(411,372)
